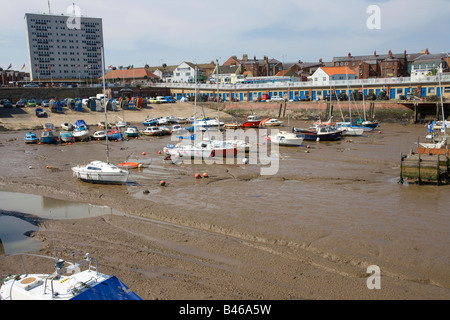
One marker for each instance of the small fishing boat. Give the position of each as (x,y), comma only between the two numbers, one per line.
(66,136)
(129,165)
(121,124)
(150,122)
(115,134)
(67,126)
(155,131)
(99,135)
(40,113)
(81,133)
(319,133)
(176,127)
(284,138)
(67,281)
(49,136)
(253,121)
(132,132)
(271,122)
(31,137)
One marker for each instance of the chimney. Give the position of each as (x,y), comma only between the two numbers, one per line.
(375,53)
(349,55)
(405,53)
(320,60)
(426,51)
(390,54)
(244,57)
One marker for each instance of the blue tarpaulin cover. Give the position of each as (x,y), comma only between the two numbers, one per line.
(110,289)
(80,123)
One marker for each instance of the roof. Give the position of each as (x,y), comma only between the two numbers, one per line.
(331,71)
(432,57)
(135,73)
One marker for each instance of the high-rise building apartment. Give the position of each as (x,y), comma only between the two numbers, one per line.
(64,46)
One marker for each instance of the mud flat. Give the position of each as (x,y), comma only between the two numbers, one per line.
(309,231)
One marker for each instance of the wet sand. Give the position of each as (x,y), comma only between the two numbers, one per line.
(308,232)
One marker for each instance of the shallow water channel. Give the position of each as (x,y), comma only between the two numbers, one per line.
(19,214)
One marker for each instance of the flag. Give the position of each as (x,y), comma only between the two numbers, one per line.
(130,67)
(110,67)
(10,66)
(23,67)
(48,67)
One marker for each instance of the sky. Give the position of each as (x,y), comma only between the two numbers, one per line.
(138,32)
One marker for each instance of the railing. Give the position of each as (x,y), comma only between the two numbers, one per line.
(307,84)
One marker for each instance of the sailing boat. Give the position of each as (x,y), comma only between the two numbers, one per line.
(206,149)
(347,128)
(99,171)
(67,282)
(440,138)
(284,138)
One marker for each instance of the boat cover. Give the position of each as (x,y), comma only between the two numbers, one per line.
(110,289)
(80,123)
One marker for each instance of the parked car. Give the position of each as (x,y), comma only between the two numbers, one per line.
(31,103)
(170,99)
(161,99)
(31,85)
(326,97)
(21,103)
(277,98)
(6,103)
(45,103)
(153,100)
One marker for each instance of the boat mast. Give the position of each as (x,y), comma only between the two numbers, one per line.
(195,105)
(364,103)
(442,108)
(218,106)
(349,102)
(104,103)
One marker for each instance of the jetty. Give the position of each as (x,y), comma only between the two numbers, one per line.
(425,168)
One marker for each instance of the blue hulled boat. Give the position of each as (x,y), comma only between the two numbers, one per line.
(31,137)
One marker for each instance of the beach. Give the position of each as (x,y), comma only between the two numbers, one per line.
(309,231)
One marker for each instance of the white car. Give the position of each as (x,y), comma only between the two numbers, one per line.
(276,98)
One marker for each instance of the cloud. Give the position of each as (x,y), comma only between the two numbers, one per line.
(172,31)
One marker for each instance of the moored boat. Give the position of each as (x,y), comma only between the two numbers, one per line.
(67,281)
(132,132)
(31,137)
(49,136)
(66,136)
(284,138)
(100,172)
(319,133)
(253,121)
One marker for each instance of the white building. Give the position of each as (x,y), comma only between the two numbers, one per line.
(428,65)
(64,46)
(325,74)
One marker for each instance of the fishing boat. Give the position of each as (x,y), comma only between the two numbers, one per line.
(66,136)
(79,280)
(176,127)
(121,124)
(271,122)
(319,133)
(115,134)
(67,126)
(49,136)
(81,133)
(155,131)
(284,138)
(99,135)
(253,121)
(99,171)
(150,122)
(204,150)
(40,113)
(129,165)
(131,132)
(31,137)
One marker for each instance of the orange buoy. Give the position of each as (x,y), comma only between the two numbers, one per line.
(143,153)
(379,131)
(162,183)
(159,152)
(308,146)
(205,175)
(197,176)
